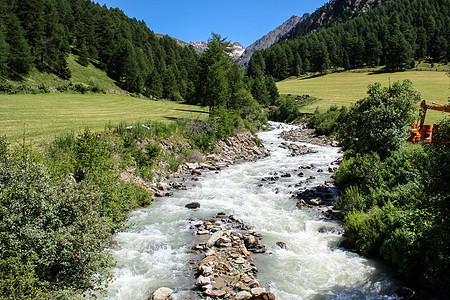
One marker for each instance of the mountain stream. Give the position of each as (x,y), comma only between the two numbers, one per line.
(153,250)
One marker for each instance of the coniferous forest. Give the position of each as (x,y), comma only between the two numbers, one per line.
(395,35)
(42,33)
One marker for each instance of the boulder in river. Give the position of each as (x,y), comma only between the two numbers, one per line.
(162,293)
(282,245)
(243,295)
(193,205)
(251,241)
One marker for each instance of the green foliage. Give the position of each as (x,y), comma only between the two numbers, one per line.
(397,208)
(53,237)
(381,121)
(327,123)
(220,86)
(42,34)
(287,110)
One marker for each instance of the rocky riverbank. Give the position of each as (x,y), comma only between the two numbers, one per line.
(239,148)
(306,135)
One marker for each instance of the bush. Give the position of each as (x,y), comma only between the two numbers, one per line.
(286,111)
(53,237)
(327,123)
(380,122)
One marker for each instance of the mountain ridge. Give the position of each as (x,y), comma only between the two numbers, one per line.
(335,11)
(272,37)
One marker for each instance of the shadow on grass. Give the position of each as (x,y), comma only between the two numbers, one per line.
(191,110)
(312,76)
(386,71)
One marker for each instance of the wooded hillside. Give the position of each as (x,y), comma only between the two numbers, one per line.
(394,34)
(42,33)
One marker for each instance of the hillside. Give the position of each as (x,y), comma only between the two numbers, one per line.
(270,38)
(395,34)
(45,116)
(335,11)
(42,34)
(88,75)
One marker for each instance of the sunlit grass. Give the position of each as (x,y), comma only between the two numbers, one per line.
(348,87)
(44,116)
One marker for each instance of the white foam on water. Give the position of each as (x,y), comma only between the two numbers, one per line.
(152,251)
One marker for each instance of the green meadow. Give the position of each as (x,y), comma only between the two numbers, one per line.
(348,87)
(39,118)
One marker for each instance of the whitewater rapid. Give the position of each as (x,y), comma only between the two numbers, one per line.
(153,250)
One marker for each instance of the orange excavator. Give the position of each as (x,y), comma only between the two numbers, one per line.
(424,132)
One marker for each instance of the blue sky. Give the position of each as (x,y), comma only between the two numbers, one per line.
(194,20)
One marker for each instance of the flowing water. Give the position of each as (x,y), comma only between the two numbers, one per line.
(153,251)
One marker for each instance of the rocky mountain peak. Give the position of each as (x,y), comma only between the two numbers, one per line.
(238,49)
(271,38)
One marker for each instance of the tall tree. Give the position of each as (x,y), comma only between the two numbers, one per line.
(213,89)
(399,54)
(19,59)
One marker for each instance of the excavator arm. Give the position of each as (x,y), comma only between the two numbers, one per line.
(425,105)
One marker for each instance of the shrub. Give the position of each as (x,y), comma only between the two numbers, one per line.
(286,111)
(327,123)
(380,122)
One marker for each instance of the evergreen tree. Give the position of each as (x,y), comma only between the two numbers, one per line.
(4,53)
(19,59)
(399,54)
(83,55)
(260,92)
(320,59)
(373,50)
(213,89)
(154,86)
(272,89)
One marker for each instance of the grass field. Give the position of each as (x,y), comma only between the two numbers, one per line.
(348,87)
(45,116)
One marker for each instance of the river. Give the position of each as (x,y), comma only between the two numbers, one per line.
(153,250)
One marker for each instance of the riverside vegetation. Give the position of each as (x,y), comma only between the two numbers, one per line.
(60,204)
(395,195)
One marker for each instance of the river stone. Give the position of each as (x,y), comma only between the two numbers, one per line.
(202,280)
(268,296)
(257,292)
(193,205)
(282,245)
(162,294)
(251,241)
(214,238)
(196,172)
(243,295)
(206,270)
(163,186)
(316,201)
(215,293)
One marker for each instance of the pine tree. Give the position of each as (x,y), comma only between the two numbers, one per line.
(213,89)
(19,59)
(83,55)
(260,92)
(4,53)
(272,89)
(399,54)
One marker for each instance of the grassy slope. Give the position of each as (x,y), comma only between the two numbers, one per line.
(44,116)
(80,74)
(348,87)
